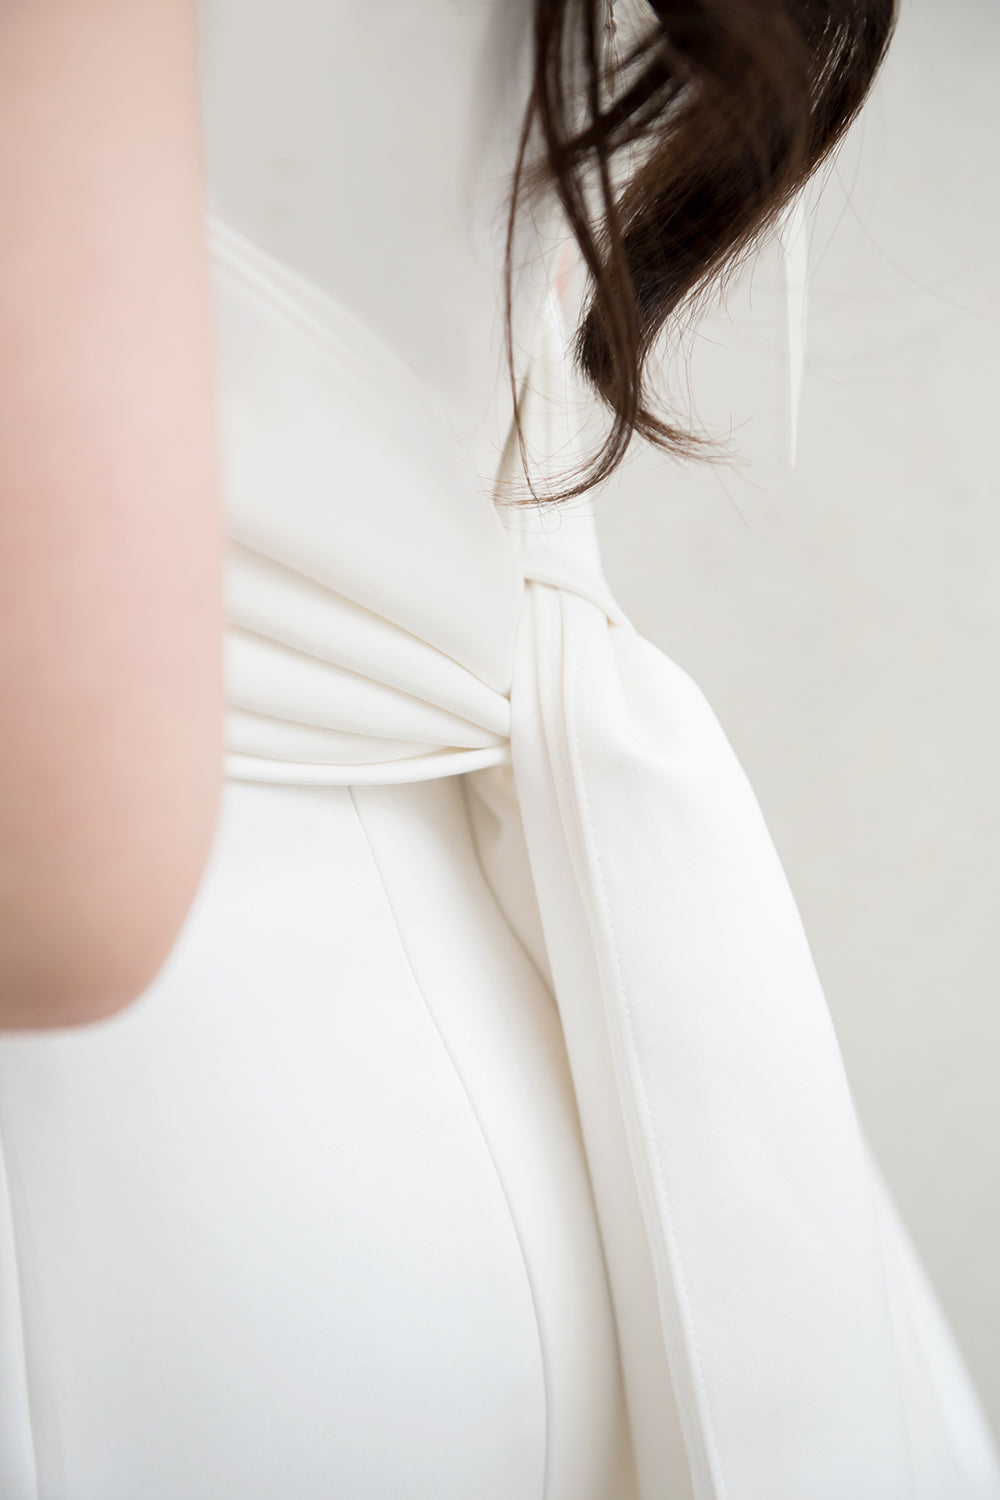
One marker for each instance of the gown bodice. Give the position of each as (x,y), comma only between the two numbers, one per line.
(369,148)
(388,622)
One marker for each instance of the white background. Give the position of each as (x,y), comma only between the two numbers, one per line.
(843,618)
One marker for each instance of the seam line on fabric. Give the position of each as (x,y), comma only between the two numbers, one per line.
(525,1261)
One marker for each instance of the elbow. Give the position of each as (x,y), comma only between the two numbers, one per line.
(69,989)
(81,956)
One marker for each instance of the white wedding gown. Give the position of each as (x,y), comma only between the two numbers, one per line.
(485,1136)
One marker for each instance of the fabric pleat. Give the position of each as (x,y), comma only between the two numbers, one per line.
(772,1315)
(789,1304)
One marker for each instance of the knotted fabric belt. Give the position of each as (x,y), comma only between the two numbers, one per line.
(383,698)
(762,1285)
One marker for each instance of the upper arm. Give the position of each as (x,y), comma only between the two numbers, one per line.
(110,523)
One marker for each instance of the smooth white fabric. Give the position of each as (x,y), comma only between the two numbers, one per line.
(738,1209)
(314,1217)
(807,1354)
(489,1096)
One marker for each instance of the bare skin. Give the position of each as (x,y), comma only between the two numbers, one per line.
(110,508)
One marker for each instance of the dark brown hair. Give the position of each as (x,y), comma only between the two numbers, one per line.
(720,110)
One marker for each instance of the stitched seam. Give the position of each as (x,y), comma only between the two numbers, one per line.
(558,575)
(525,1261)
(573,718)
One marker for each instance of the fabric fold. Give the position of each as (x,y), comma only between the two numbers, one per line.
(706,1018)
(718,1121)
(778,1338)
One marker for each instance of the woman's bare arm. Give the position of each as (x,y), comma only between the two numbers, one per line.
(110,512)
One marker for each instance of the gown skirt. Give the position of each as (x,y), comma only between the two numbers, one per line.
(485,1134)
(311,1219)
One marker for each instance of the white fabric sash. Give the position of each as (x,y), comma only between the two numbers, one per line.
(764,1289)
